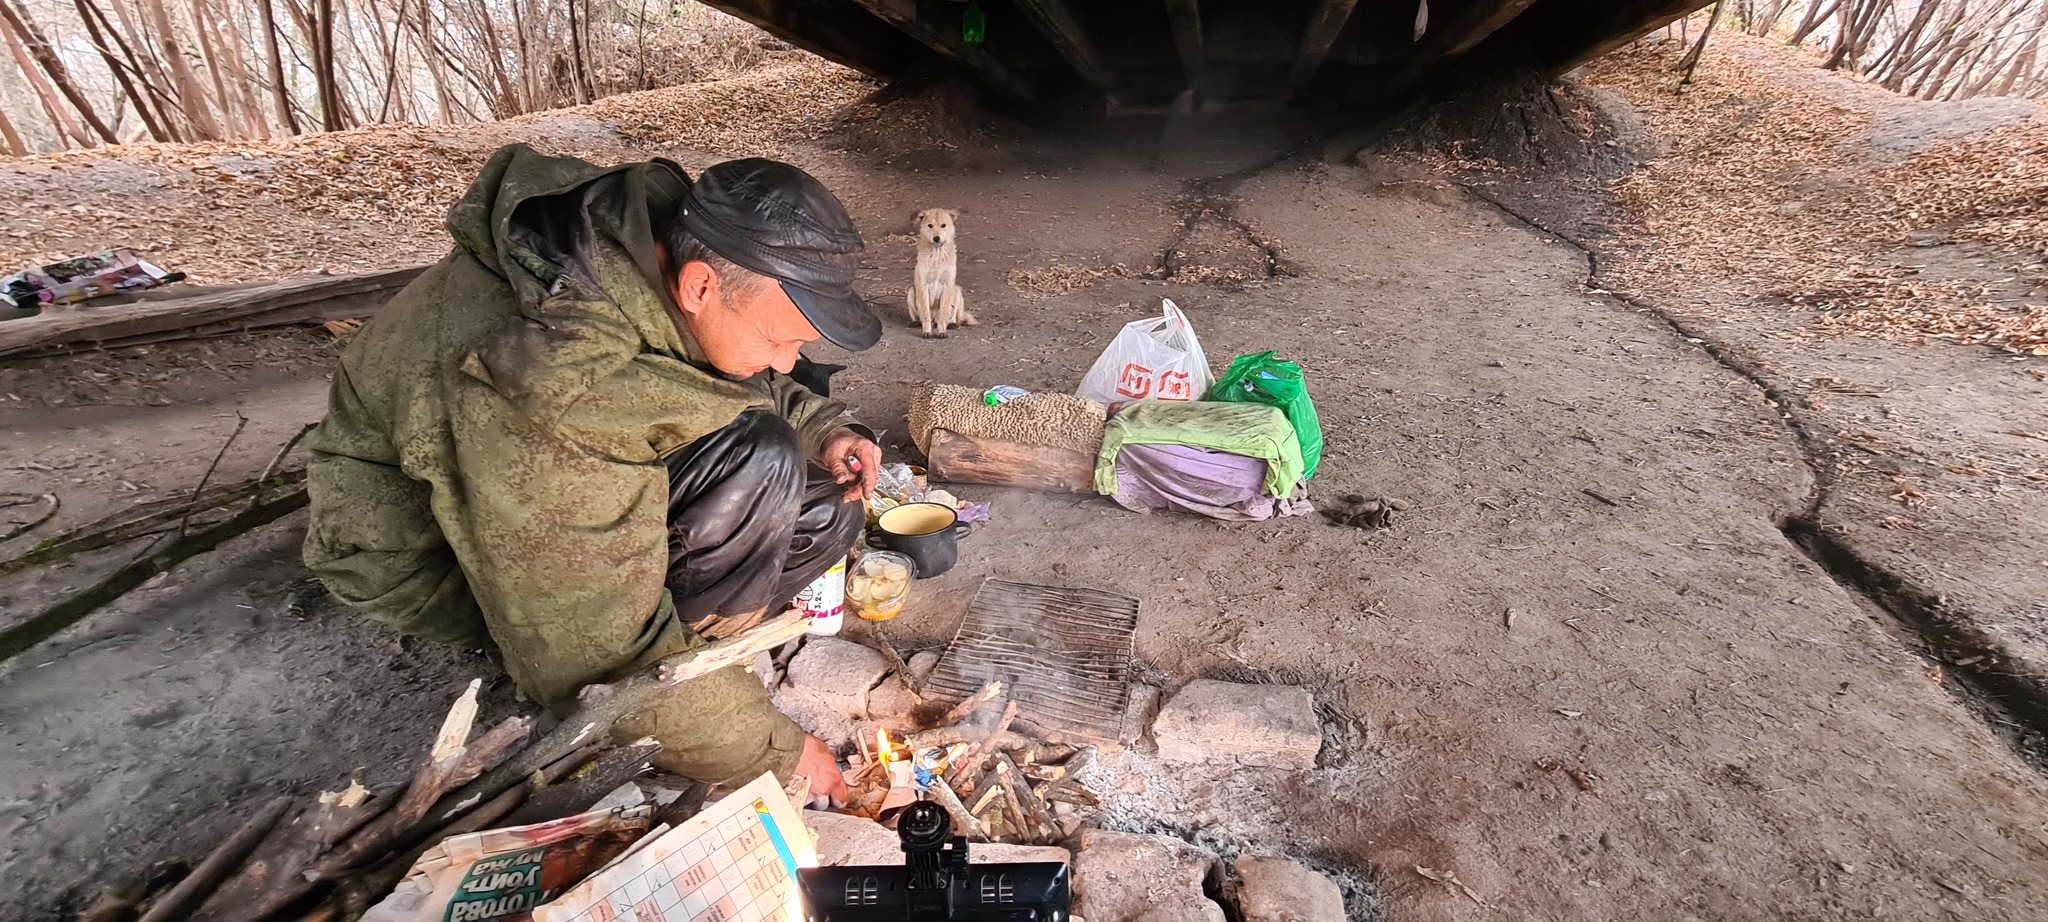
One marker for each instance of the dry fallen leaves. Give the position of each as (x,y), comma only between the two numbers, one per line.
(1762,182)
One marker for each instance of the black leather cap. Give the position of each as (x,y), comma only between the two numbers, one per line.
(774,219)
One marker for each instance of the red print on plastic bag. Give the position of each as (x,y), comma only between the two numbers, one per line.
(1176,385)
(1135,382)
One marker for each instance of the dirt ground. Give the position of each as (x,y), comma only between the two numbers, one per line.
(1652,705)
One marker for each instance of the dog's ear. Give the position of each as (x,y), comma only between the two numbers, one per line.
(953,215)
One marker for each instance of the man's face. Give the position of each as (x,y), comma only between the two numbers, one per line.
(743,332)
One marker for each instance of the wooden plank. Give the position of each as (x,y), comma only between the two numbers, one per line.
(225,310)
(947,43)
(1323,27)
(1186,18)
(956,458)
(1055,20)
(1475,25)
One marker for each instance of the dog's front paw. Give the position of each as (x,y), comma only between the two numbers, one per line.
(935,334)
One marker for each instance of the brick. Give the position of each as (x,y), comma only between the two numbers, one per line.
(1121,877)
(1280,890)
(1264,726)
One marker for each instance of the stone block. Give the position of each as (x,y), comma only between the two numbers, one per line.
(921,665)
(844,840)
(1264,726)
(1121,877)
(837,670)
(890,705)
(1280,890)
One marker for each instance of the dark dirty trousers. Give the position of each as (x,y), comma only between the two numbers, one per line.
(751,523)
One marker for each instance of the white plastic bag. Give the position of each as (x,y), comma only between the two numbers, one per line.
(1153,359)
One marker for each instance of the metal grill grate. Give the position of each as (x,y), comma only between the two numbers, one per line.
(1064,655)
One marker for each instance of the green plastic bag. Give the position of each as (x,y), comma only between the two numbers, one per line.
(1261,378)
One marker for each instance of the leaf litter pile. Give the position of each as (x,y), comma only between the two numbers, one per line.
(1765,182)
(374,197)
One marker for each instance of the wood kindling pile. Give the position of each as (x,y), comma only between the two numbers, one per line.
(339,855)
(1000,785)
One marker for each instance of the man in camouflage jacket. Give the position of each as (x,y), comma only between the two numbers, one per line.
(574,439)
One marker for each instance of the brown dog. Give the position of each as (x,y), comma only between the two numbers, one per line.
(936,302)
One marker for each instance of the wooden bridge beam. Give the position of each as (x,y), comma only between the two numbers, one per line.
(947,43)
(1055,20)
(1323,27)
(1479,21)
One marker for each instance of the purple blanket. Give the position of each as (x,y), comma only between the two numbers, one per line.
(1217,484)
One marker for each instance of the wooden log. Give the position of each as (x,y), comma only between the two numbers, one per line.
(198,885)
(109,324)
(956,458)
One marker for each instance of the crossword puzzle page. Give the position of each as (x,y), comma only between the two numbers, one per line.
(734,862)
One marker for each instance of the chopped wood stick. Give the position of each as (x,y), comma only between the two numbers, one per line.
(963,819)
(1038,824)
(434,780)
(989,746)
(1073,766)
(1014,821)
(456,727)
(359,893)
(567,765)
(1080,795)
(947,736)
(198,885)
(987,797)
(600,706)
(973,703)
(584,785)
(278,459)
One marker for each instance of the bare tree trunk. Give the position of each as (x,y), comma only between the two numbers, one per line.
(15,146)
(67,130)
(92,18)
(204,31)
(25,28)
(424,35)
(1816,15)
(2023,63)
(280,94)
(240,77)
(1691,61)
(191,98)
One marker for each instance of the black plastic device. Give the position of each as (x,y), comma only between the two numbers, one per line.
(936,882)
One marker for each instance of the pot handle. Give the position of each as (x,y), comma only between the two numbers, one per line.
(882,539)
(962,530)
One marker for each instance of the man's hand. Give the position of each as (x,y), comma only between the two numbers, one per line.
(844,445)
(821,768)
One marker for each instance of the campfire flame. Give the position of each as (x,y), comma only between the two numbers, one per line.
(884,750)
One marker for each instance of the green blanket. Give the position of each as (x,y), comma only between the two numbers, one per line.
(1250,429)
